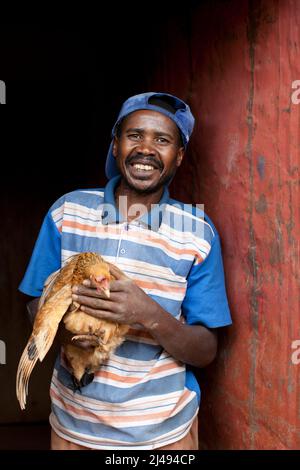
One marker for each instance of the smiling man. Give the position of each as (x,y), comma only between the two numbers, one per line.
(148,150)
(146,395)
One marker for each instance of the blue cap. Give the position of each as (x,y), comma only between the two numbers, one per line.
(182,117)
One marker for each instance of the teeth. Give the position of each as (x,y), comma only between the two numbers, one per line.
(138,166)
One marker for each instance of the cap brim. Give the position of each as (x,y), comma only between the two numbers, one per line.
(111,168)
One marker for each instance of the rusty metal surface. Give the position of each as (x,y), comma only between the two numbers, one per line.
(235,63)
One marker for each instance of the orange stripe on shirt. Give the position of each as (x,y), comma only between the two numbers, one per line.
(137,236)
(159,286)
(139,333)
(109,406)
(123,378)
(111,419)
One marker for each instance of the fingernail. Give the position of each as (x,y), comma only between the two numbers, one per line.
(75,289)
(75,297)
(86,282)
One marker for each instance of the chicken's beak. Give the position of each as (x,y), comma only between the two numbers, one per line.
(105,291)
(102,286)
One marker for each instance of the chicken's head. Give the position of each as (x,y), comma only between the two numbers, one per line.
(100,276)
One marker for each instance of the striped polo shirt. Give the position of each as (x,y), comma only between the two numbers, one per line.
(141,397)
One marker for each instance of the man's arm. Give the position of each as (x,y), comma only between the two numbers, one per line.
(195,345)
(129,304)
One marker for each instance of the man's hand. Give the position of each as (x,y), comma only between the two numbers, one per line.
(127,304)
(191,344)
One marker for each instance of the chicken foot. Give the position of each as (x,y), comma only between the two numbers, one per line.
(93,339)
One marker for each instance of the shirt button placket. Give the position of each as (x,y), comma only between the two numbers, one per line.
(126,228)
(122,251)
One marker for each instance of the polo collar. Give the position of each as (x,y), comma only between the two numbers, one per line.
(110,213)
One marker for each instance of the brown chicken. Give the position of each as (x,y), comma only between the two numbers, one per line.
(56,304)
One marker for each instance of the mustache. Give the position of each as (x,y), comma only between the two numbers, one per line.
(150,160)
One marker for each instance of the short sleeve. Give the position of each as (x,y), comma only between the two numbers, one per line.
(206,301)
(45,259)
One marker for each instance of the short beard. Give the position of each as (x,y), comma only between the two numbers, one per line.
(152,189)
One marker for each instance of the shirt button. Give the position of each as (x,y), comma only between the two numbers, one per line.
(122,251)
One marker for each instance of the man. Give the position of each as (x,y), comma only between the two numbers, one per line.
(145,396)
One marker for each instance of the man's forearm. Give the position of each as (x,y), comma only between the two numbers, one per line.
(129,304)
(194,345)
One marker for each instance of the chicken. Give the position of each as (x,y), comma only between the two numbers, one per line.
(56,304)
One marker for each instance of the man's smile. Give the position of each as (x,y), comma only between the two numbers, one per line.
(145,163)
(141,167)
(142,170)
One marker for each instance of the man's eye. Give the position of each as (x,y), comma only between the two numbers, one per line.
(162,140)
(134,136)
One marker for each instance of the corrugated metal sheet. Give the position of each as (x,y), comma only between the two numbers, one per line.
(235,63)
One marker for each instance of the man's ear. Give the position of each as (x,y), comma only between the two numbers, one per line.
(180,155)
(115,146)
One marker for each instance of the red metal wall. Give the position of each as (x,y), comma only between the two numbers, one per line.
(235,62)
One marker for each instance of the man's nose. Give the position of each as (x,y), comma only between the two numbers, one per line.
(145,147)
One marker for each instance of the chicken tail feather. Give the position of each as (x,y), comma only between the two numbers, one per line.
(44,331)
(32,352)
(26,365)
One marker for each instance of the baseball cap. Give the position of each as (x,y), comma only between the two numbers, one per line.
(164,103)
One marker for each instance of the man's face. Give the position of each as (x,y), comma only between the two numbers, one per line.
(148,150)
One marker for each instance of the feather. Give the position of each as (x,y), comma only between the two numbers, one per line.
(56,304)
(41,339)
(48,286)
